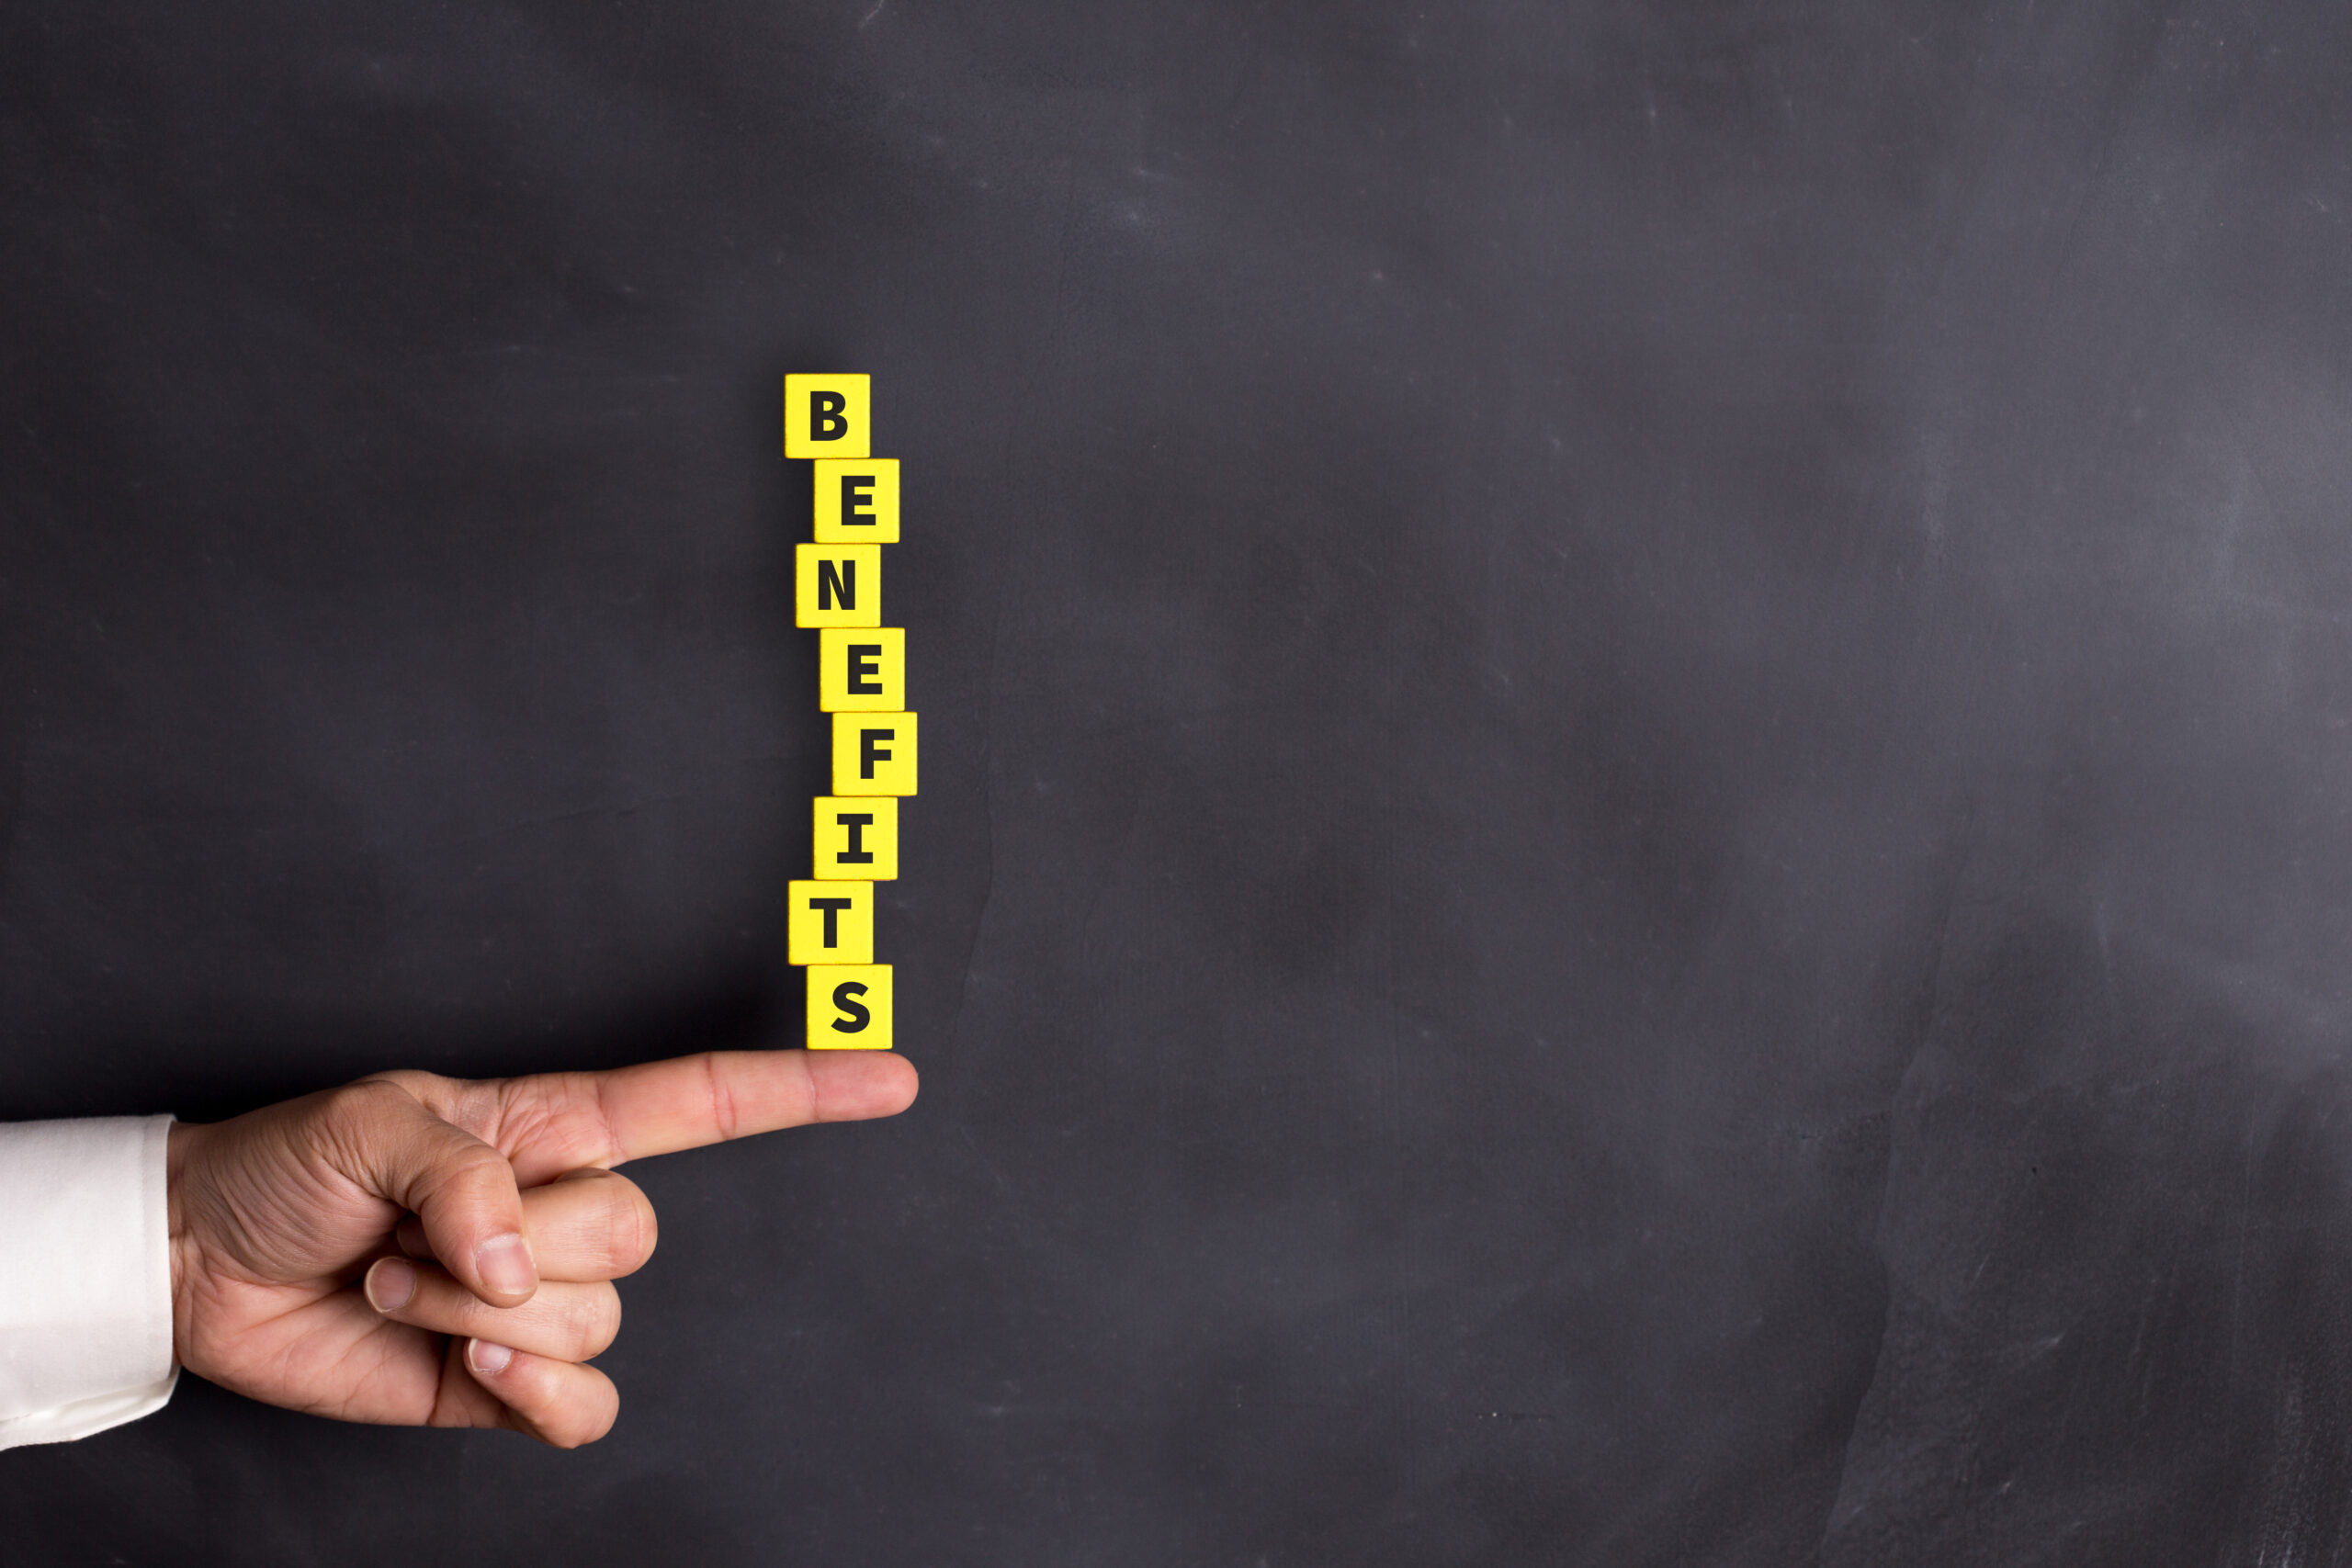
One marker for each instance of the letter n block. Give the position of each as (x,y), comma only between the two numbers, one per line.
(862,669)
(849,1006)
(873,754)
(825,416)
(857,503)
(858,838)
(837,585)
(830,923)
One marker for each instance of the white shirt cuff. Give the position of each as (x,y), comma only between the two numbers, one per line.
(85,1276)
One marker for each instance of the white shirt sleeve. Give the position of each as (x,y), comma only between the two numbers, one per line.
(86,1276)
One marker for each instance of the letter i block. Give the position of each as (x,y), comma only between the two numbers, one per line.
(837,585)
(858,838)
(862,669)
(830,923)
(873,754)
(857,503)
(849,1006)
(825,416)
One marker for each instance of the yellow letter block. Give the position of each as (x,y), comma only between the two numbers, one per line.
(873,754)
(837,585)
(862,669)
(830,923)
(849,1006)
(858,838)
(857,503)
(825,416)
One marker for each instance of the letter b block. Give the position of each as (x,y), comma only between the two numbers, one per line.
(825,416)
(858,838)
(857,503)
(837,585)
(873,754)
(849,1006)
(830,923)
(862,670)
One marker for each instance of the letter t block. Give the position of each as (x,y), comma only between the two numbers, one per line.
(830,923)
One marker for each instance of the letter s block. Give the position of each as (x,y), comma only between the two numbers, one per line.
(825,416)
(849,1006)
(858,838)
(857,503)
(862,669)
(837,585)
(873,754)
(830,923)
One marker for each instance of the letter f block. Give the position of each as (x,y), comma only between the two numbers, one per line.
(873,754)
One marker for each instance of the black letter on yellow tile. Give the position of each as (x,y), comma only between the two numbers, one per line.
(855,503)
(833,908)
(826,422)
(836,581)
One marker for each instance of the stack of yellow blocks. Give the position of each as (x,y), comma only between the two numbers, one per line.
(861,681)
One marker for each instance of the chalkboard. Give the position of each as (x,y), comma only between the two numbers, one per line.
(1632,845)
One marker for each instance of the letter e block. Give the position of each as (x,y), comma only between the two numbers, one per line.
(858,838)
(873,754)
(862,669)
(830,923)
(857,503)
(825,416)
(837,585)
(849,1006)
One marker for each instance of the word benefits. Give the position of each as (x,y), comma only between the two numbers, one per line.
(861,681)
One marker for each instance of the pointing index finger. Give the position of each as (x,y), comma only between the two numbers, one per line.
(659,1108)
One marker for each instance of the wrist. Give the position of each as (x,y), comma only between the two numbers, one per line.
(178,1152)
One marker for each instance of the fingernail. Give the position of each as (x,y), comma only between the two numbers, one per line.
(487,1359)
(389,1284)
(506,1265)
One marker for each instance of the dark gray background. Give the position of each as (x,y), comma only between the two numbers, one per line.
(1637,745)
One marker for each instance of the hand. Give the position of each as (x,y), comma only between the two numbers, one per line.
(297,1279)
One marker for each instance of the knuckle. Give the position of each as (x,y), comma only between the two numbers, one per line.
(579,1418)
(594,1322)
(726,1116)
(572,1432)
(515,1111)
(351,1124)
(478,1162)
(602,1412)
(414,1082)
(366,1101)
(630,1229)
(472,1177)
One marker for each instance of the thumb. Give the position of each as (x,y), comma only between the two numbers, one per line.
(462,1191)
